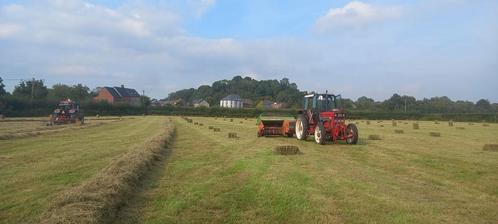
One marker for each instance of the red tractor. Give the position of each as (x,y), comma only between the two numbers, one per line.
(323,117)
(67,111)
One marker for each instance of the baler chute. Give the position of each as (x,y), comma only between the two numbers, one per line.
(275,126)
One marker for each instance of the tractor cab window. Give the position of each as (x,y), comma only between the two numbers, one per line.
(325,103)
(338,101)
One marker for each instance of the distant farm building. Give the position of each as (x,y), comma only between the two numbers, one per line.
(231,101)
(268,104)
(175,103)
(200,103)
(114,95)
(247,103)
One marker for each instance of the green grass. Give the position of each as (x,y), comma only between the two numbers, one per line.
(409,178)
(34,169)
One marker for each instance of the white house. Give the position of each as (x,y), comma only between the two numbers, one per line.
(231,101)
(200,103)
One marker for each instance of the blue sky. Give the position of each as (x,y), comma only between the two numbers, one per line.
(373,48)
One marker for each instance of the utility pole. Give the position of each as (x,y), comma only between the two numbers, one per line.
(405,104)
(32,89)
(143,98)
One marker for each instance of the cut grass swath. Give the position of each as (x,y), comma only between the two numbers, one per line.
(98,199)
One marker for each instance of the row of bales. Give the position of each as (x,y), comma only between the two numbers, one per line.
(416,126)
(211,127)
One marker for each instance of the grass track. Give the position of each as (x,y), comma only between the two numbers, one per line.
(33,170)
(403,178)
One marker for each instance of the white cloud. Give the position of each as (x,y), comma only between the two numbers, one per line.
(355,15)
(7,30)
(200,7)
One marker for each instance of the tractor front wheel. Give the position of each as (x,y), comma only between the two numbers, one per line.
(352,134)
(320,134)
(301,127)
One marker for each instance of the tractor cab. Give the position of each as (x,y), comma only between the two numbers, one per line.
(322,102)
(323,116)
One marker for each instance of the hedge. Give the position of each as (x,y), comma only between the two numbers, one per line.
(13,107)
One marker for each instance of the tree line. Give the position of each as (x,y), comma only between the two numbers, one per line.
(34,98)
(283,91)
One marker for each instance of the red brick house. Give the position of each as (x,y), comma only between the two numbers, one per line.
(118,95)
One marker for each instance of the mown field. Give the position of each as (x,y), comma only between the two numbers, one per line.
(209,178)
(402,178)
(34,168)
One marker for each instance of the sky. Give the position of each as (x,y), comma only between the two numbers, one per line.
(355,48)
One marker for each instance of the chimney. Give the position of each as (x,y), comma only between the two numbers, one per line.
(122,86)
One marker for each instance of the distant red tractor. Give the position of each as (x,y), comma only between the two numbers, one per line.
(324,117)
(67,111)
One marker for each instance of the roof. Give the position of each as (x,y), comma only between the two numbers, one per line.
(122,92)
(198,101)
(233,97)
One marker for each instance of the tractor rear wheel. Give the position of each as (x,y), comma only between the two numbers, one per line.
(320,134)
(352,134)
(301,127)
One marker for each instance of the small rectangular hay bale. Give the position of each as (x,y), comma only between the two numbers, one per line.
(435,134)
(399,131)
(287,150)
(460,128)
(485,125)
(232,135)
(201,124)
(416,126)
(368,122)
(490,147)
(196,123)
(381,126)
(231,120)
(217,129)
(450,123)
(394,123)
(436,122)
(241,122)
(374,137)
(210,127)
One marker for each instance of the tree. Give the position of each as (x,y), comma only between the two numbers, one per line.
(2,88)
(483,105)
(394,103)
(145,100)
(33,89)
(365,103)
(77,92)
(281,91)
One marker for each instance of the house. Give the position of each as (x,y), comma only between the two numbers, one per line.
(175,102)
(247,103)
(200,103)
(231,101)
(121,94)
(278,105)
(266,104)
